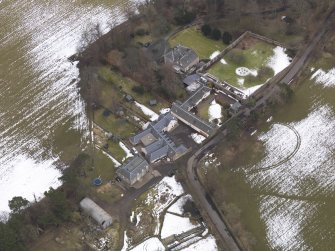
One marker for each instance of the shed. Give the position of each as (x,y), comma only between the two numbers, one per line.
(234,108)
(129,98)
(90,208)
(153,102)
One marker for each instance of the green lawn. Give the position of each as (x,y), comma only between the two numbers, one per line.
(254,58)
(194,39)
(116,151)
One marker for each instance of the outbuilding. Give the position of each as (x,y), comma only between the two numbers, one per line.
(90,208)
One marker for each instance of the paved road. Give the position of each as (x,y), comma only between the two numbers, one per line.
(199,193)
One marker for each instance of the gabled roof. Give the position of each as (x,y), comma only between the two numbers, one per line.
(181,56)
(191,119)
(191,79)
(132,168)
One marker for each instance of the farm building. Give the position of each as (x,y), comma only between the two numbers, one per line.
(155,143)
(90,208)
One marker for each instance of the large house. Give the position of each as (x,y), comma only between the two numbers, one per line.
(155,144)
(133,170)
(182,58)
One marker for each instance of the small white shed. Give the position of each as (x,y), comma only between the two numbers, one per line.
(90,208)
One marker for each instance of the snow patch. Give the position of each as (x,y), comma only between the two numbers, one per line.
(115,162)
(240,81)
(171,222)
(153,116)
(327,79)
(177,207)
(125,242)
(279,61)
(198,138)
(215,111)
(126,150)
(214,55)
(164,110)
(152,244)
(223,61)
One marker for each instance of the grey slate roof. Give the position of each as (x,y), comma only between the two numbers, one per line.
(181,56)
(130,171)
(154,146)
(191,79)
(163,146)
(137,138)
(236,106)
(192,120)
(196,98)
(158,154)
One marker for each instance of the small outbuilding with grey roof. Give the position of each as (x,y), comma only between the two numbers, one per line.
(133,170)
(90,208)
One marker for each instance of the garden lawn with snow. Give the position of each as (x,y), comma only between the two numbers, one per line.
(250,66)
(161,196)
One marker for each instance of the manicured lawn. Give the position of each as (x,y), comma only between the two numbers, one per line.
(194,39)
(254,58)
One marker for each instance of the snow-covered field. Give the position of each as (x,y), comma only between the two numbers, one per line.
(45,97)
(42,175)
(283,215)
(327,79)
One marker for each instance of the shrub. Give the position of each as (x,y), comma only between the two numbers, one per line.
(236,58)
(138,89)
(141,32)
(106,113)
(184,17)
(216,34)
(206,30)
(227,37)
